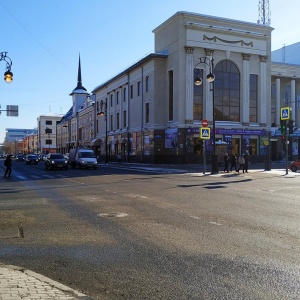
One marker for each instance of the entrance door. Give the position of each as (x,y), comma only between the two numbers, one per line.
(235,146)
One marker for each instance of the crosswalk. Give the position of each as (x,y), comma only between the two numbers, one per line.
(37,177)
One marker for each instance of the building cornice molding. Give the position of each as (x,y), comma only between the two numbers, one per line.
(227,30)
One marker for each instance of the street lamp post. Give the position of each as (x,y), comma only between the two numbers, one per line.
(8,75)
(211,79)
(104,113)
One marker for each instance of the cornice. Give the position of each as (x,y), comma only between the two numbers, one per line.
(227,30)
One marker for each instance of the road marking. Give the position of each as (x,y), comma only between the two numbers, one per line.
(215,223)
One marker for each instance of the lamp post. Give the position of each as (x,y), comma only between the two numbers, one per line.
(100,114)
(211,79)
(8,75)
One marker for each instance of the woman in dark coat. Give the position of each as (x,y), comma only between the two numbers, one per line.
(233,162)
(226,162)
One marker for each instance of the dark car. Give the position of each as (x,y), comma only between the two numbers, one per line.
(56,161)
(20,157)
(31,159)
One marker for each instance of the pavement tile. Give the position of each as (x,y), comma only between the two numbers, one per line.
(17,283)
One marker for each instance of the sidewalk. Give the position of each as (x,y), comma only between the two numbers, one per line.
(17,283)
(193,168)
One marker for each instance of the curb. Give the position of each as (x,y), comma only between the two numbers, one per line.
(74,293)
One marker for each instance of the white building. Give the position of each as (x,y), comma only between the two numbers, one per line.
(152,111)
(156,100)
(47,133)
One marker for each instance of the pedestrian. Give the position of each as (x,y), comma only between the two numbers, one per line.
(247,162)
(241,163)
(119,157)
(7,164)
(226,162)
(233,163)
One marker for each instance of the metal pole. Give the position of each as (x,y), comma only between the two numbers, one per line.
(106,154)
(286,150)
(204,157)
(214,169)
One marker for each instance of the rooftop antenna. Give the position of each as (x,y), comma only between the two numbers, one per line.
(264,13)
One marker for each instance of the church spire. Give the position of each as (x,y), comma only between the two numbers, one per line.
(79,80)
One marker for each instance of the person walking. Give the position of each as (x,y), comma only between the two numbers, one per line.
(246,157)
(226,162)
(7,164)
(233,163)
(241,163)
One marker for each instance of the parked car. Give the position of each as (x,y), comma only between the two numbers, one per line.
(82,158)
(56,161)
(20,157)
(295,165)
(31,159)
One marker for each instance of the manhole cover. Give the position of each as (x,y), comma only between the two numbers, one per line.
(114,214)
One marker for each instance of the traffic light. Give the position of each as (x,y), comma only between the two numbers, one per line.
(283,127)
(291,126)
(283,139)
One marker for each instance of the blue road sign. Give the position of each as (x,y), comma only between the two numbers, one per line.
(285,113)
(204,133)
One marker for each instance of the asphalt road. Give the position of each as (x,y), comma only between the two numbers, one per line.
(118,233)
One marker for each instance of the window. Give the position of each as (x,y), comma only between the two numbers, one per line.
(253,98)
(118,97)
(171,95)
(48,122)
(48,142)
(147,84)
(198,96)
(131,91)
(138,88)
(111,122)
(227,91)
(147,112)
(118,120)
(124,94)
(111,100)
(124,119)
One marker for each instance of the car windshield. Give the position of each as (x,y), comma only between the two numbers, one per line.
(57,156)
(32,156)
(87,155)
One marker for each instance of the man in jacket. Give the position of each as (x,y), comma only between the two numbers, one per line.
(7,164)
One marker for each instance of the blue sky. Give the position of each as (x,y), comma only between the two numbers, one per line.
(43,38)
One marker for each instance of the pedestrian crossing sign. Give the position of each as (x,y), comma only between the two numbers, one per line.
(204,133)
(285,113)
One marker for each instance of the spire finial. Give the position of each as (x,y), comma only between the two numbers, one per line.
(79,81)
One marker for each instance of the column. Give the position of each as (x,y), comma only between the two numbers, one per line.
(262,117)
(245,89)
(293,100)
(277,103)
(189,85)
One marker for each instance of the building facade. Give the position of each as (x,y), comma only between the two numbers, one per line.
(152,111)
(46,134)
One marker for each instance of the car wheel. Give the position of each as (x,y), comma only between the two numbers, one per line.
(294,169)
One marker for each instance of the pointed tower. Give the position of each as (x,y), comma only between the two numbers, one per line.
(80,93)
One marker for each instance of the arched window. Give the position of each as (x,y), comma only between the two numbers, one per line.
(227,91)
